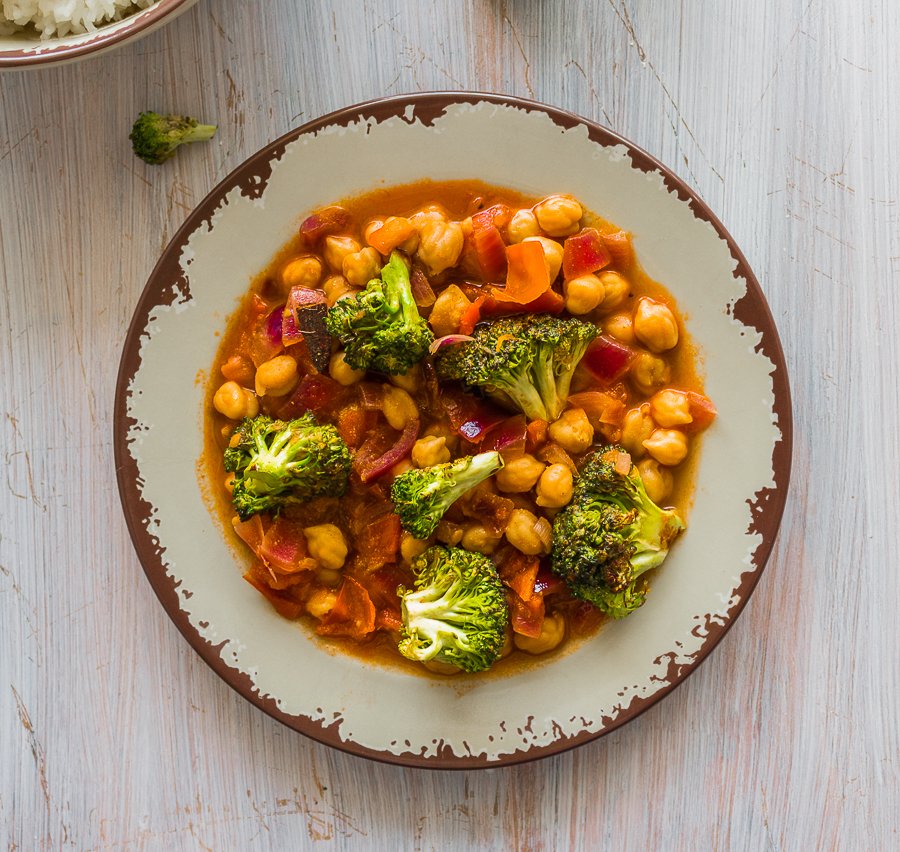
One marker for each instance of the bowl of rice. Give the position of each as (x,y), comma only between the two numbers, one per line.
(35,33)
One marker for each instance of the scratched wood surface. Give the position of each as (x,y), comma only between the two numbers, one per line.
(114,735)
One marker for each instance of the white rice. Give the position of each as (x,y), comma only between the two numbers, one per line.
(52,18)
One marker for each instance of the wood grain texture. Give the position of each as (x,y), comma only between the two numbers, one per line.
(114,735)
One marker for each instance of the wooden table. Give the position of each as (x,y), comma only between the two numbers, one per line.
(114,735)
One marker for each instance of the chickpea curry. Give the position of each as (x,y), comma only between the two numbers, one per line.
(456,423)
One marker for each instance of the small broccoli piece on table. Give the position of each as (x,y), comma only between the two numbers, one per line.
(381,328)
(155,137)
(457,613)
(525,362)
(421,497)
(610,535)
(277,463)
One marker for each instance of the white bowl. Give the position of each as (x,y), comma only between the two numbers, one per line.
(22,51)
(384,713)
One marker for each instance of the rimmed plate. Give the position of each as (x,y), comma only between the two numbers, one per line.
(17,51)
(742,478)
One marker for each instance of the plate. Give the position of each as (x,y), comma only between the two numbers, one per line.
(16,51)
(742,477)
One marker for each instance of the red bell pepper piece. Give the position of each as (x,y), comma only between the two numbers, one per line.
(549,302)
(497,216)
(284,604)
(353,613)
(491,252)
(703,412)
(584,253)
(620,248)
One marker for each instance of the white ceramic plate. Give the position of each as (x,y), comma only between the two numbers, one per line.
(461,722)
(23,51)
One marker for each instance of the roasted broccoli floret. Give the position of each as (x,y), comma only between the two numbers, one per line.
(458,611)
(525,362)
(610,535)
(381,328)
(155,137)
(422,496)
(277,462)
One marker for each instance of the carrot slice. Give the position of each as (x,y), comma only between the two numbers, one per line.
(526,277)
(386,238)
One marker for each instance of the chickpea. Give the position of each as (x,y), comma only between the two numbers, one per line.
(528,533)
(239,369)
(615,290)
(321,602)
(554,488)
(235,402)
(448,533)
(329,577)
(553,631)
(657,480)
(342,372)
(655,325)
(361,267)
(277,376)
(553,254)
(519,474)
(400,467)
(411,547)
(448,310)
(649,372)
(671,408)
(667,446)
(429,451)
(302,272)
(431,213)
(558,215)
(440,244)
(441,668)
(621,327)
(336,249)
(398,407)
(442,430)
(637,427)
(523,224)
(573,431)
(326,545)
(409,380)
(335,287)
(479,539)
(583,294)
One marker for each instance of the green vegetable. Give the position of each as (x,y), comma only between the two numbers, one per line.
(525,362)
(421,497)
(155,137)
(458,611)
(279,462)
(610,535)
(381,328)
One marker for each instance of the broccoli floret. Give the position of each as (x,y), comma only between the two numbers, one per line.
(458,611)
(155,137)
(610,535)
(525,362)
(279,462)
(381,328)
(422,496)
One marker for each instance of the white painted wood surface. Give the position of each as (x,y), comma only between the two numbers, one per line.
(114,735)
